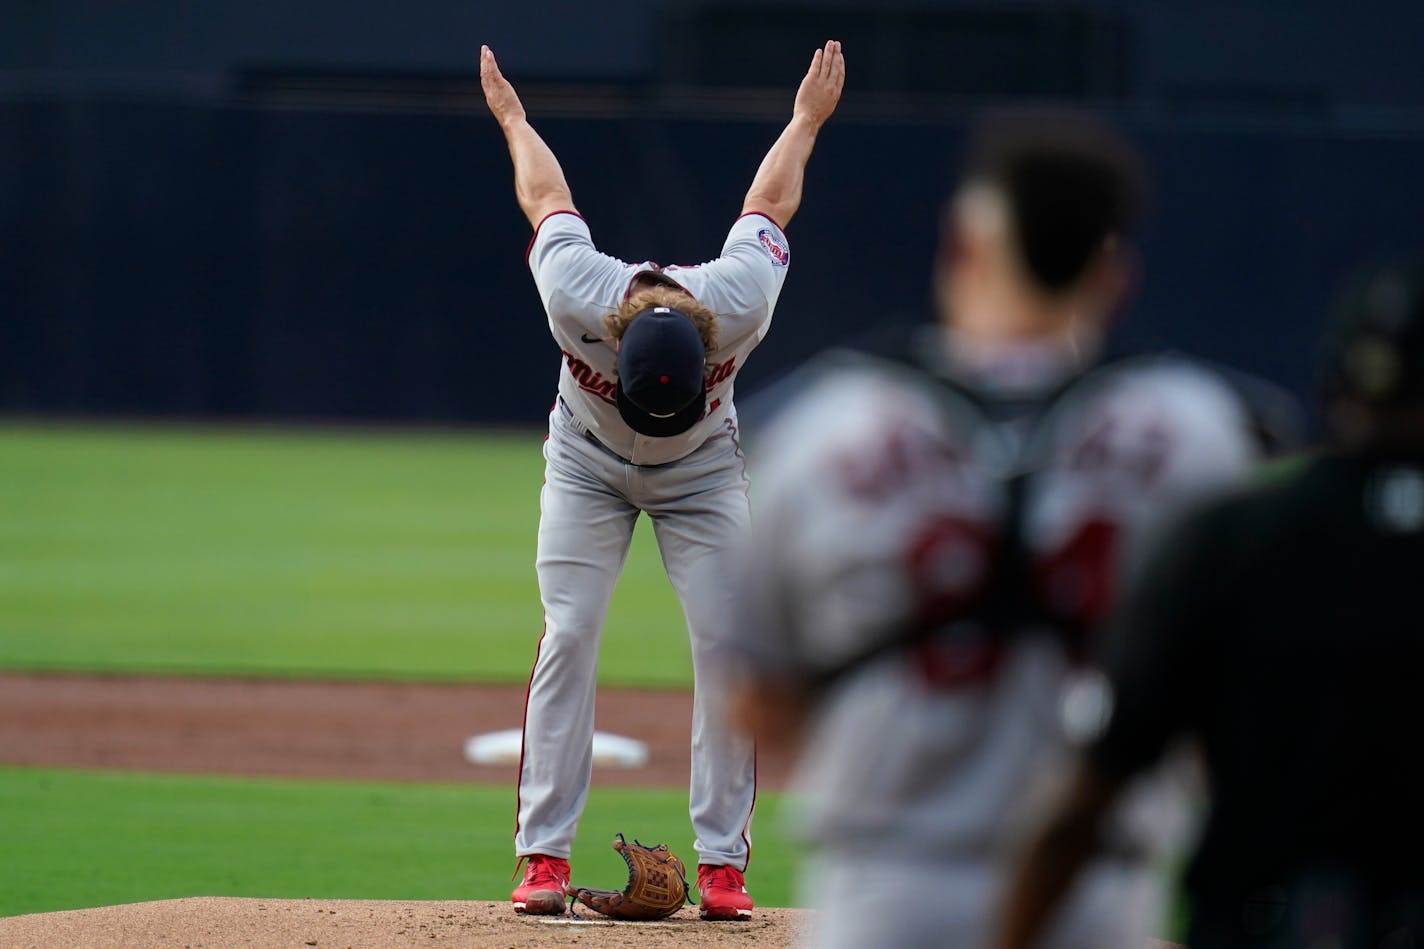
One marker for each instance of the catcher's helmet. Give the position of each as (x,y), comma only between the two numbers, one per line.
(1375,353)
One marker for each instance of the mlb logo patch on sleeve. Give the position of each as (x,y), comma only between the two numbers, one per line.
(775,245)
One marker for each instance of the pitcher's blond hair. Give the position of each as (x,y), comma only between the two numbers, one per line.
(616,323)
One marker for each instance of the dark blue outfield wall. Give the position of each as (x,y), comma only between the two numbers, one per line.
(196,260)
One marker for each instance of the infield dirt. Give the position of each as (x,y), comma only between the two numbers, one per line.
(361,730)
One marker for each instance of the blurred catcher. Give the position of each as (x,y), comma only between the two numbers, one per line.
(656,888)
(942,522)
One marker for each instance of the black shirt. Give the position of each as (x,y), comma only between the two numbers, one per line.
(1284,629)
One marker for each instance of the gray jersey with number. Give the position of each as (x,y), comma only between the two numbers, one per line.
(882,502)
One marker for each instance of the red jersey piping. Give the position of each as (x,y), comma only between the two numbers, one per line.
(530,249)
(628,291)
(524,723)
(762,214)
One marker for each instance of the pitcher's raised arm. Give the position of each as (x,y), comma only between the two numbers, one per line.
(539,184)
(776,189)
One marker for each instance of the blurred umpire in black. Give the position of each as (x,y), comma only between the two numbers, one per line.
(1284,630)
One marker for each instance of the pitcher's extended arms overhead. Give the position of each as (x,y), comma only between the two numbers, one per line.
(776,189)
(539,184)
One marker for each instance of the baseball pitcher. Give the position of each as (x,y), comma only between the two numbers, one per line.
(645,422)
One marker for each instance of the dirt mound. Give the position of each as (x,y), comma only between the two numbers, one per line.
(225,922)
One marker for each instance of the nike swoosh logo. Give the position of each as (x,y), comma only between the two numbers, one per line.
(591,339)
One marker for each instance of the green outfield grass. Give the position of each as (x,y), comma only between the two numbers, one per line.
(77,839)
(290,552)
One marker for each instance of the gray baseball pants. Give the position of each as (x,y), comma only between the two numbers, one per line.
(589,504)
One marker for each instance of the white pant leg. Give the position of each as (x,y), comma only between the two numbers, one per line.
(585,527)
(861,902)
(1113,903)
(916,904)
(698,527)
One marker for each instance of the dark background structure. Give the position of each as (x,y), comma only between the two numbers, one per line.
(303,210)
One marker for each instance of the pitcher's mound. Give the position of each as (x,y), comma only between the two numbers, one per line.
(215,922)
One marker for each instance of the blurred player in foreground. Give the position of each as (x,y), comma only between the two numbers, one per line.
(938,533)
(1283,629)
(644,422)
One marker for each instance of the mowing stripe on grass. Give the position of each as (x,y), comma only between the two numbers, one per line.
(294,552)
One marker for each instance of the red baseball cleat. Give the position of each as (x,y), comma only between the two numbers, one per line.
(542,892)
(723,893)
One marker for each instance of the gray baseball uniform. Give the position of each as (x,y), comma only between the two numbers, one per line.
(599,475)
(887,499)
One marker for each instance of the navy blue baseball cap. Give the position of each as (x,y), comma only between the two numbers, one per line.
(662,387)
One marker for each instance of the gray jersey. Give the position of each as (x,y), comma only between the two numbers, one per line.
(579,286)
(881,502)
(600,476)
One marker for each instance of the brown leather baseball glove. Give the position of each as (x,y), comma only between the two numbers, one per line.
(657,885)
